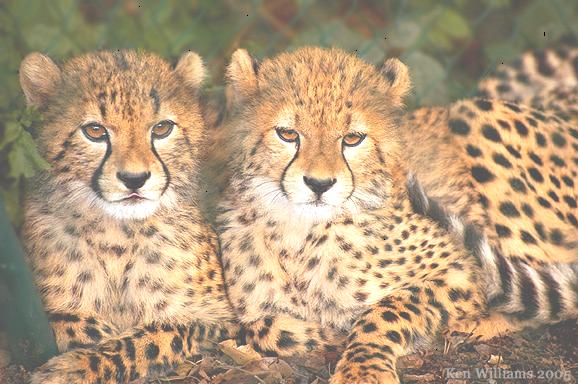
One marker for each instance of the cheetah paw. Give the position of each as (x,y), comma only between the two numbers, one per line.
(62,369)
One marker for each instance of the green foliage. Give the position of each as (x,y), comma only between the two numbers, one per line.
(448,44)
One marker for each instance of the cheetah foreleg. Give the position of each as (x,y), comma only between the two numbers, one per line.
(150,351)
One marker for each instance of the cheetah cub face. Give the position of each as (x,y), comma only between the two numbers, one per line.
(112,124)
(319,130)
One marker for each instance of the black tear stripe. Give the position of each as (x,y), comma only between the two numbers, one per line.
(165,168)
(350,172)
(287,167)
(553,294)
(96,175)
(156,100)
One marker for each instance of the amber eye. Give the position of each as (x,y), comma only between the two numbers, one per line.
(95,132)
(288,135)
(353,139)
(163,129)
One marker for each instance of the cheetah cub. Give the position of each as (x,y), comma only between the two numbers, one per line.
(319,234)
(126,266)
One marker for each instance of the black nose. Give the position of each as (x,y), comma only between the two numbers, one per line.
(319,186)
(133,180)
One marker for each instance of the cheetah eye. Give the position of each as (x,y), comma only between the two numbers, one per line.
(288,135)
(94,132)
(353,139)
(163,129)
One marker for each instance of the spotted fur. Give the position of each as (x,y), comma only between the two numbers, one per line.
(320,237)
(546,79)
(510,170)
(127,268)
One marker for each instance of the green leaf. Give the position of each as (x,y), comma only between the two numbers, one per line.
(404,34)
(11,133)
(24,158)
(429,79)
(452,24)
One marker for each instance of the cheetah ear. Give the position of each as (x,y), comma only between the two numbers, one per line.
(191,68)
(39,76)
(241,78)
(397,75)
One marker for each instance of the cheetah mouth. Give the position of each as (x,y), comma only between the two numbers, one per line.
(132,198)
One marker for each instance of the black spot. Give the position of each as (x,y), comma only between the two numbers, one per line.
(459,127)
(513,151)
(570,201)
(553,196)
(558,161)
(513,107)
(177,344)
(413,308)
(527,210)
(394,336)
(491,133)
(540,230)
(151,351)
(558,140)
(286,340)
(535,158)
(517,185)
(501,160)
(94,363)
(543,202)
(540,139)
(527,238)
(572,219)
(555,181)
(369,327)
(405,315)
(509,209)
(521,128)
(389,316)
(482,174)
(556,236)
(568,181)
(536,175)
(484,105)
(93,333)
(503,231)
(473,151)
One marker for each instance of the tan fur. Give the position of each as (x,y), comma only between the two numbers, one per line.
(359,258)
(136,284)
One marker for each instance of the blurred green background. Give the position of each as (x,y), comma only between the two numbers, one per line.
(449,45)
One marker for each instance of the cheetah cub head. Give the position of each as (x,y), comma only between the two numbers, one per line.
(319,130)
(121,129)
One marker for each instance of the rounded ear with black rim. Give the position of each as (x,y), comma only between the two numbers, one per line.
(191,69)
(39,77)
(241,78)
(397,75)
